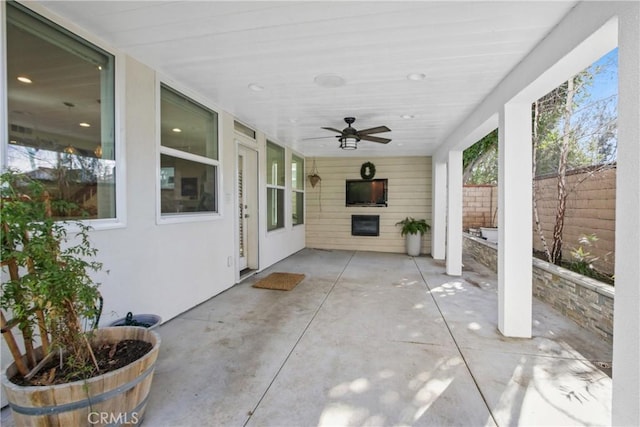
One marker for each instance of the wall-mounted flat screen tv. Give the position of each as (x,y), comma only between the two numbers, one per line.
(370,192)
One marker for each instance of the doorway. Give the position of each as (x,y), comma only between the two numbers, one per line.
(247,211)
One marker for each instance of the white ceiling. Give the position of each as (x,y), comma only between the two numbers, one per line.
(218,49)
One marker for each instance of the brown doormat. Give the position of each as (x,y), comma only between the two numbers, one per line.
(280,281)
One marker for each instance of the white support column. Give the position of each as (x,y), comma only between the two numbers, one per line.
(626,329)
(514,221)
(439,216)
(454,213)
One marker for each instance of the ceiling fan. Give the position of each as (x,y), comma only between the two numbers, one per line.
(350,136)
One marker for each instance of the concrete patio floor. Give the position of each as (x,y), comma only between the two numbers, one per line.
(373,339)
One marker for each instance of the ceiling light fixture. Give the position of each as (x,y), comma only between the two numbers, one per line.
(255,87)
(349,142)
(416,76)
(176,130)
(85,125)
(329,80)
(24,79)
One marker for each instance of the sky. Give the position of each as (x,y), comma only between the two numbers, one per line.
(606,83)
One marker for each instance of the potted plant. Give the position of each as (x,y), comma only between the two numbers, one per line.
(413,229)
(50,296)
(150,321)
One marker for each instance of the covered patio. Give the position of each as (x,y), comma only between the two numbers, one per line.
(368,337)
(374,339)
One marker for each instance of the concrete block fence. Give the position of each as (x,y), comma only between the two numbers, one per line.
(590,210)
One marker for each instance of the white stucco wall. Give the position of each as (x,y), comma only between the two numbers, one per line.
(161,268)
(168,268)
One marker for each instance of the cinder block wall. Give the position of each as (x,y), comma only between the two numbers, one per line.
(480,206)
(591,209)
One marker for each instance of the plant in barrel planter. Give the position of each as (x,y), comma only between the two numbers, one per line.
(413,229)
(50,297)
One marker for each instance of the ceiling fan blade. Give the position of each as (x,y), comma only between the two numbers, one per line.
(319,137)
(377,129)
(333,129)
(375,139)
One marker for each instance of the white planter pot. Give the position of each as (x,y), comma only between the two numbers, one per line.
(413,243)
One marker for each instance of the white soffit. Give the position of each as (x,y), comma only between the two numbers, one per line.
(218,49)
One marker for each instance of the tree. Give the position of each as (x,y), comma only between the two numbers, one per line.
(570,131)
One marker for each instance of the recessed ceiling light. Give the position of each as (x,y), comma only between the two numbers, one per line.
(85,125)
(24,79)
(255,87)
(407,116)
(176,130)
(416,76)
(329,80)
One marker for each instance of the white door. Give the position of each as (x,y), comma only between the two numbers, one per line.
(247,183)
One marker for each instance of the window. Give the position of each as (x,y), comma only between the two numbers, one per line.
(297,186)
(188,156)
(60,96)
(275,186)
(243,129)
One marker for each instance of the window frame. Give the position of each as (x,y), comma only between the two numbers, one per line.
(120,218)
(295,191)
(186,217)
(278,188)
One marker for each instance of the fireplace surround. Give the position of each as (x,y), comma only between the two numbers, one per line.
(365,225)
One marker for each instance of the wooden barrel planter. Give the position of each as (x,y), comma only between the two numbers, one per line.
(115,398)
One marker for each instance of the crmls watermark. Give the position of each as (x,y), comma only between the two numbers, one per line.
(111,418)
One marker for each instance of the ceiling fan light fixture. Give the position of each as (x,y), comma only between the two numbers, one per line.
(349,143)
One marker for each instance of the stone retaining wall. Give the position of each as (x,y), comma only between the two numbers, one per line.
(482,251)
(587,302)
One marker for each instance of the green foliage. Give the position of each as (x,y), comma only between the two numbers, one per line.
(413,226)
(480,161)
(582,259)
(591,130)
(51,270)
(488,142)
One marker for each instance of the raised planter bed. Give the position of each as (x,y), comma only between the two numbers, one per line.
(586,301)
